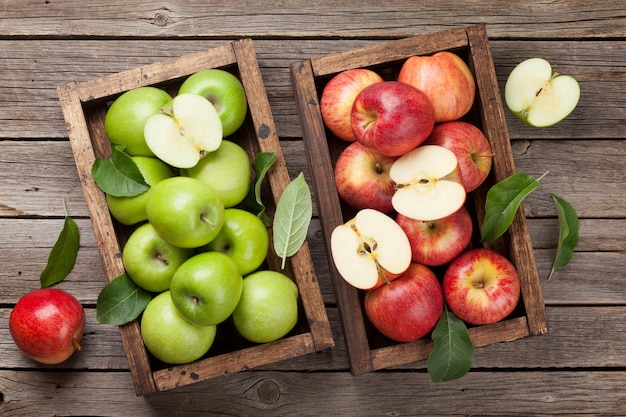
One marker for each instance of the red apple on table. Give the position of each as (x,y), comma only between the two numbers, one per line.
(437,242)
(408,308)
(481,286)
(362,178)
(47,325)
(338,96)
(392,117)
(471,147)
(447,81)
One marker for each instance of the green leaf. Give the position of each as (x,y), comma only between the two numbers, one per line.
(62,257)
(292,218)
(503,200)
(121,301)
(568,233)
(261,164)
(118,175)
(453,354)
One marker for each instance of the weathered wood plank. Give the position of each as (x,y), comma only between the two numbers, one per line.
(36,181)
(594,275)
(576,339)
(276,394)
(224,18)
(34,68)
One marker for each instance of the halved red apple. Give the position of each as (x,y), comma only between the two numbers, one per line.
(370,249)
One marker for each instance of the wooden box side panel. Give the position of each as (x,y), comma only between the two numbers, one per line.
(301,262)
(103,229)
(389,52)
(237,361)
(319,160)
(517,239)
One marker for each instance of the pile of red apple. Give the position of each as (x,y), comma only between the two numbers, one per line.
(409,165)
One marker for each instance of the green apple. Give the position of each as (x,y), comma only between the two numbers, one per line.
(244,238)
(227,170)
(185,211)
(171,338)
(206,288)
(538,95)
(125,119)
(184,131)
(132,210)
(225,91)
(268,308)
(150,261)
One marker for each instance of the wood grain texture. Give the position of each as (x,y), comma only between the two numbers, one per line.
(223,18)
(32,70)
(575,369)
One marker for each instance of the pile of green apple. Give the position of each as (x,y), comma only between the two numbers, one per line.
(410,162)
(192,243)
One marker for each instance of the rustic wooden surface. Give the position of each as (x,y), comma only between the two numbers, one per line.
(577,368)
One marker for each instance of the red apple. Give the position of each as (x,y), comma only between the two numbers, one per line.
(471,147)
(392,118)
(437,242)
(338,96)
(407,308)
(481,286)
(362,178)
(47,325)
(447,81)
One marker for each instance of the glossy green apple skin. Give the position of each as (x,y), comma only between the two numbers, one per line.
(185,211)
(268,308)
(171,338)
(150,261)
(125,119)
(244,238)
(225,91)
(206,288)
(227,170)
(132,210)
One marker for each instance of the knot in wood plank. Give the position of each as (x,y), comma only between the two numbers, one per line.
(268,392)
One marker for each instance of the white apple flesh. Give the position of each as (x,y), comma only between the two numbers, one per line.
(538,95)
(370,249)
(429,184)
(185,131)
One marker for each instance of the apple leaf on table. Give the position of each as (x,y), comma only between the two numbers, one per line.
(453,354)
(261,164)
(118,175)
(503,200)
(568,233)
(121,301)
(63,254)
(292,218)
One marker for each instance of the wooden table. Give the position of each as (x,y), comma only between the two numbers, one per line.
(577,368)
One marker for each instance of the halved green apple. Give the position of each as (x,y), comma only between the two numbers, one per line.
(187,129)
(538,95)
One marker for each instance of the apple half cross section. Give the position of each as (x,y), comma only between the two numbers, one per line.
(186,129)
(428,183)
(538,95)
(370,249)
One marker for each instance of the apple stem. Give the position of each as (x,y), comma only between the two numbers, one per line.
(204,218)
(76,345)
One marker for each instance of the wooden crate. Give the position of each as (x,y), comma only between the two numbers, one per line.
(84,107)
(368,350)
